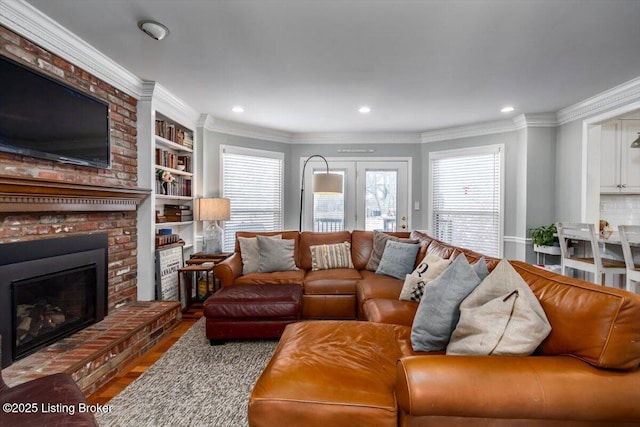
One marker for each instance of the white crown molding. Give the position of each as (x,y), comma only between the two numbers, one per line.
(478,129)
(30,23)
(618,96)
(537,120)
(231,127)
(357,138)
(170,105)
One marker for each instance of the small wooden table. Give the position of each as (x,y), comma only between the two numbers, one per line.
(200,263)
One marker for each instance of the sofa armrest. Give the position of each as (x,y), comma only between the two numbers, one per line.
(229,270)
(534,387)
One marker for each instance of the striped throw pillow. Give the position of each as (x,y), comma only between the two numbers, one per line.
(325,257)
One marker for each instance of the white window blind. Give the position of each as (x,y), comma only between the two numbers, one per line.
(466,198)
(253,181)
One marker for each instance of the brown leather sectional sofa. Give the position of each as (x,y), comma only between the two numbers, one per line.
(365,373)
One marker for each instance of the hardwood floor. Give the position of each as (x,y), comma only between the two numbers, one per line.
(135,369)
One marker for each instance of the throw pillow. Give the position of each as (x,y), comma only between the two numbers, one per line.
(276,255)
(431,267)
(379,243)
(501,316)
(398,259)
(439,308)
(250,253)
(325,257)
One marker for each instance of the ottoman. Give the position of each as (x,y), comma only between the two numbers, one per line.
(252,311)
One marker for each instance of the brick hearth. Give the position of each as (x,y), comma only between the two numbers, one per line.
(96,354)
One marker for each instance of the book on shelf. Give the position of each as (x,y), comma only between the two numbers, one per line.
(174,133)
(166,239)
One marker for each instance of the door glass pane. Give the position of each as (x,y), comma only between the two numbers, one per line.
(328,209)
(381,199)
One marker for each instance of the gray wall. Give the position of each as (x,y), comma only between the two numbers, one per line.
(530,175)
(568,180)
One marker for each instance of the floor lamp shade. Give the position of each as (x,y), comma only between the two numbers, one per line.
(323,183)
(327,183)
(214,210)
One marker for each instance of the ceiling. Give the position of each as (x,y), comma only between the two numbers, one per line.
(308,65)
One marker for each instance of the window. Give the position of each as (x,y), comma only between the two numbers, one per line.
(253,181)
(466,193)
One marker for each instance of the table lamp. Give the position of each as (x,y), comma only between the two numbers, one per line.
(214,210)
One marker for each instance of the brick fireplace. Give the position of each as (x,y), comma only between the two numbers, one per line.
(42,200)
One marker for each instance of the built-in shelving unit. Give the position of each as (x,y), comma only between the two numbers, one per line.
(174,170)
(166,148)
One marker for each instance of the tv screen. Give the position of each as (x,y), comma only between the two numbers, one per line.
(41,117)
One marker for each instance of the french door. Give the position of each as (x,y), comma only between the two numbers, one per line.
(375,196)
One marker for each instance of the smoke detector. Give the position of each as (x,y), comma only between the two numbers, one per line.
(154,29)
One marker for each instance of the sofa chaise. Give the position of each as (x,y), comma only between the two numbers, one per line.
(365,372)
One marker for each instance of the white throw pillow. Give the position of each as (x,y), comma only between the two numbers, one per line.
(431,267)
(501,316)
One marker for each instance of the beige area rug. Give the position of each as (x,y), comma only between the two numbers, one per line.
(193,384)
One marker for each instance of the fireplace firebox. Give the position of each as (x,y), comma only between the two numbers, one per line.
(50,289)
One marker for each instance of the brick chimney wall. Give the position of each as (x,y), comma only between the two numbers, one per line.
(121,226)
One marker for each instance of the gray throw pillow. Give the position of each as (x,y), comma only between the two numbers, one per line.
(398,259)
(439,308)
(276,255)
(379,243)
(250,253)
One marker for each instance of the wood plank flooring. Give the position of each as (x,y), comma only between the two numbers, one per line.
(137,367)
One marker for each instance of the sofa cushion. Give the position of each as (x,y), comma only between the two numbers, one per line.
(430,268)
(424,240)
(379,243)
(255,302)
(391,311)
(334,281)
(250,253)
(277,277)
(276,254)
(500,317)
(596,324)
(398,259)
(326,257)
(439,308)
(376,286)
(442,249)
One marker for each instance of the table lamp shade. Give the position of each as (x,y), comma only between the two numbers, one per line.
(327,183)
(213,209)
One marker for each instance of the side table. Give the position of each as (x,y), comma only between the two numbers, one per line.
(200,263)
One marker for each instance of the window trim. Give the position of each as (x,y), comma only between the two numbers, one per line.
(463,152)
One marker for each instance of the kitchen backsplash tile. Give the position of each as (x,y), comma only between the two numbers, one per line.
(620,209)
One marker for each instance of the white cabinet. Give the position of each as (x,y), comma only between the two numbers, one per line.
(619,164)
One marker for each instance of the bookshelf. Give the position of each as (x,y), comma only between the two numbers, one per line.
(166,143)
(173,163)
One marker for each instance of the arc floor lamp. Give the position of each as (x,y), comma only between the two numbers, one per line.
(323,183)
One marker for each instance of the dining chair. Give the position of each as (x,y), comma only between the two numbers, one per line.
(630,236)
(595,264)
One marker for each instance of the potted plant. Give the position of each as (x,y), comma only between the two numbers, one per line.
(545,239)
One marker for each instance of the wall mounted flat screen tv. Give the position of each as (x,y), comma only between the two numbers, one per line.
(41,117)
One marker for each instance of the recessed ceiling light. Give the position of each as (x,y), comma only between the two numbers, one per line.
(364,109)
(154,29)
(507,109)
(237,109)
